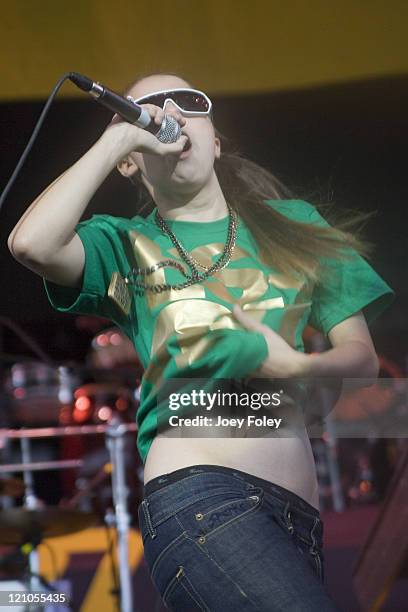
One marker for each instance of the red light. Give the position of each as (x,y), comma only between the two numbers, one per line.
(79,416)
(82,403)
(121,404)
(19,393)
(65,415)
(365,486)
(79,392)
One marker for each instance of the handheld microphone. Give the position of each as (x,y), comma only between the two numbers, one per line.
(130,111)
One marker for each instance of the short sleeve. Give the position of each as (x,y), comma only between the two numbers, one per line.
(350,285)
(105,245)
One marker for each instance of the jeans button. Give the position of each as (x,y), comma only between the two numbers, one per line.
(199,516)
(201,539)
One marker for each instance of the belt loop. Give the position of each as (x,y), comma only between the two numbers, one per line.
(151,529)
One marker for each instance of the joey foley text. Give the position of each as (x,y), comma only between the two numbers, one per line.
(209,401)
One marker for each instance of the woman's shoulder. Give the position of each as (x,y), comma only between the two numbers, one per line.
(296,209)
(113,223)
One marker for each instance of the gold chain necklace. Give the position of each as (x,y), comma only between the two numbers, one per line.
(195,276)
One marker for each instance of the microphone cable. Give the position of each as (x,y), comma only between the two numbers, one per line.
(168,132)
(33,136)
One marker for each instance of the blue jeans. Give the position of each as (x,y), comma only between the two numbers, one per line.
(222,540)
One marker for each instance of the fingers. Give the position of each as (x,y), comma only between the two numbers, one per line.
(134,138)
(246,320)
(172,110)
(157,113)
(173,148)
(115,119)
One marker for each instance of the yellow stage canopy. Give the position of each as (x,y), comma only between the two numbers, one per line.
(222,46)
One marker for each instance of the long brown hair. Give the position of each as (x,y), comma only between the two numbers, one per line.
(293,248)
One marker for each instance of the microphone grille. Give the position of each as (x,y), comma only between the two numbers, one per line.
(170,130)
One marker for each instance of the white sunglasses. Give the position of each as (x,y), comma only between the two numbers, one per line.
(190,102)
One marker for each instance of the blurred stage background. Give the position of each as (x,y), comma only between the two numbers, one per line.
(315,91)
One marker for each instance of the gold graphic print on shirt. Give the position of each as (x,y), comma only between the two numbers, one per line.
(191,313)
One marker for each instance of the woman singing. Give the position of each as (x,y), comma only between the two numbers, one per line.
(217,282)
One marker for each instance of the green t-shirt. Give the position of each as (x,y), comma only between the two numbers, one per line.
(191,332)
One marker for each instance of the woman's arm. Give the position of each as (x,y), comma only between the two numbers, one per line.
(44,239)
(352,356)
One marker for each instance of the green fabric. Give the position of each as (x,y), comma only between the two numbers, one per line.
(192,333)
(351,285)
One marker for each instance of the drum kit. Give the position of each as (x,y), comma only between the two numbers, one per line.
(84,415)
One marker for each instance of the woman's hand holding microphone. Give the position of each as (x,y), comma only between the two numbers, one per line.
(130,138)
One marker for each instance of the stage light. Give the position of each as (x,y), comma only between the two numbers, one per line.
(116,339)
(65,416)
(104,413)
(102,340)
(19,393)
(79,416)
(121,404)
(82,403)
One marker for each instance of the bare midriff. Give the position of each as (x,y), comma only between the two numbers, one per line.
(285,461)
